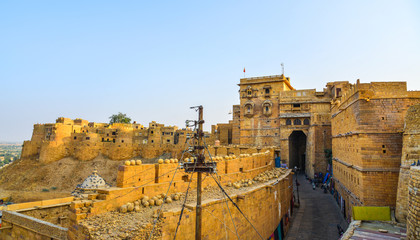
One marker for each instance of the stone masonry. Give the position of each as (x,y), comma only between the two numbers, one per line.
(413,218)
(367,138)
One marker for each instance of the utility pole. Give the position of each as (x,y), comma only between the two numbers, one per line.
(200,160)
(199,166)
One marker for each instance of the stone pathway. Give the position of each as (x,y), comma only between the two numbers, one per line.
(317,217)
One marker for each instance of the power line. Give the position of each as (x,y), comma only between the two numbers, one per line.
(227,205)
(223,190)
(183,205)
(166,196)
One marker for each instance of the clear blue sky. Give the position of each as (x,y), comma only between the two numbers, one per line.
(154,59)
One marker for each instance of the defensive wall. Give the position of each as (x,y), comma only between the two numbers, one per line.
(152,179)
(410,154)
(265,205)
(413,213)
(136,181)
(367,139)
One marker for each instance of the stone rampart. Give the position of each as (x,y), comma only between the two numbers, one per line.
(410,154)
(152,179)
(413,215)
(265,206)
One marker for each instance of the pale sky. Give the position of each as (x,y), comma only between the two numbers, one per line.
(154,59)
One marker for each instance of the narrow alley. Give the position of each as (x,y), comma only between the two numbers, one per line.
(318,214)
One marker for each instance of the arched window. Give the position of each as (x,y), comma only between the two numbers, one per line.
(297,122)
(288,122)
(249,109)
(306,121)
(266,107)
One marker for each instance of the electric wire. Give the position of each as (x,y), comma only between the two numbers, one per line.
(227,205)
(223,190)
(166,195)
(183,204)
(225,193)
(223,222)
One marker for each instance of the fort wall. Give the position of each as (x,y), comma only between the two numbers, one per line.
(413,214)
(410,154)
(265,206)
(152,179)
(367,132)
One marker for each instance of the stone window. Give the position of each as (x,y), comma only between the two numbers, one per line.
(87,138)
(297,122)
(267,91)
(75,138)
(249,109)
(296,105)
(267,105)
(288,122)
(306,122)
(113,140)
(103,139)
(151,132)
(338,92)
(152,141)
(167,140)
(122,141)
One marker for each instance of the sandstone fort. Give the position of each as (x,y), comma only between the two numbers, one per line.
(364,137)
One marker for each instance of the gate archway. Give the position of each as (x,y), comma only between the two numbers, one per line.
(297,150)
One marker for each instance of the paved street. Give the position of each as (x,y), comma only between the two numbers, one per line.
(318,215)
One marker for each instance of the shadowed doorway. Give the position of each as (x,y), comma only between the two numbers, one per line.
(297,150)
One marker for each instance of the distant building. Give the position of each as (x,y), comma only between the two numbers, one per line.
(85,140)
